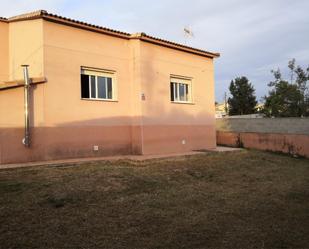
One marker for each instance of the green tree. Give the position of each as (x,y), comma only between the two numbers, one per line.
(288,98)
(243,100)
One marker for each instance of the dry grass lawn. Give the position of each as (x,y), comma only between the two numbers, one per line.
(244,199)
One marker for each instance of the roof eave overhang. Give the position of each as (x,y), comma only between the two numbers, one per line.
(86,27)
(177,46)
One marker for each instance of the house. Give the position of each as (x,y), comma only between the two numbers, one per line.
(96,91)
(221,109)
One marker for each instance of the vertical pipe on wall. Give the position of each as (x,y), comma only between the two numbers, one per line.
(26,140)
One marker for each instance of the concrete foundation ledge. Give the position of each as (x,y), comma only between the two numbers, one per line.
(136,158)
(78,161)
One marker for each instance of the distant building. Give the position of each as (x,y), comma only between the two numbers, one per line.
(259,107)
(221,110)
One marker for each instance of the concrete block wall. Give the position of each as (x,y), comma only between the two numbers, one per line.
(264,125)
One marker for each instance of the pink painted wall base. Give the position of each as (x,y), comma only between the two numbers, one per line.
(53,143)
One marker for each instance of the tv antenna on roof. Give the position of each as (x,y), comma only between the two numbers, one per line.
(188,33)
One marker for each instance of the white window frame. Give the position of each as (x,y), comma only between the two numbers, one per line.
(177,81)
(103,73)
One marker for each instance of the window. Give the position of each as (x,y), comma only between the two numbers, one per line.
(98,84)
(181,90)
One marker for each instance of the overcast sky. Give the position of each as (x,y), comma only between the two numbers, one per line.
(253,37)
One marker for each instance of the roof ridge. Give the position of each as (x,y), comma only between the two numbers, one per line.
(28,15)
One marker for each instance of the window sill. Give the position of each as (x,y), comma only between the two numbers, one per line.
(183,102)
(103,100)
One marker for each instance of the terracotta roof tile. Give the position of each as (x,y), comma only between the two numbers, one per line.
(84,23)
(3,19)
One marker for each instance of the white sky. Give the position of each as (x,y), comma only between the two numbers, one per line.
(253,37)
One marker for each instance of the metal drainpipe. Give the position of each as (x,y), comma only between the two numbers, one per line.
(26,139)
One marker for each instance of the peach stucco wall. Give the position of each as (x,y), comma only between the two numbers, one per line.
(65,126)
(182,127)
(26,47)
(4,51)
